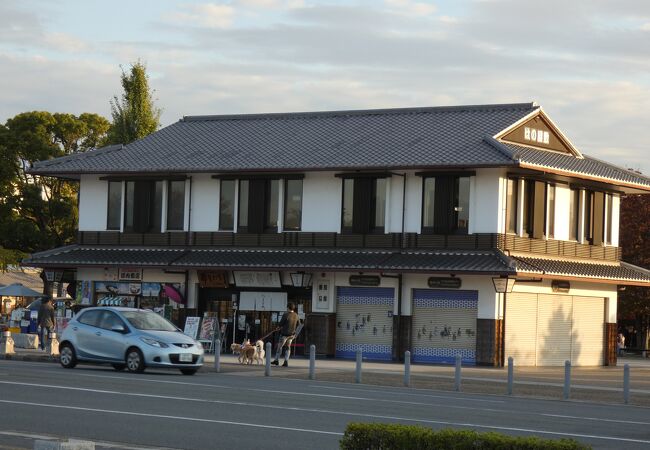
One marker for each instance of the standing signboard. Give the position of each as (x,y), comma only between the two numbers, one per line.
(192,326)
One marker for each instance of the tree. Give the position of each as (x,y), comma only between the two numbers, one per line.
(134,114)
(38,213)
(634,301)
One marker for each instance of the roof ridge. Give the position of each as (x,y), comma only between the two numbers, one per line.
(360,112)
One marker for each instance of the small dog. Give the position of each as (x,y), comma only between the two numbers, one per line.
(245,350)
(259,352)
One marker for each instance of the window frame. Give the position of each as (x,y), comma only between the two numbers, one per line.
(453,200)
(285,209)
(233,200)
(363,186)
(119,207)
(169,212)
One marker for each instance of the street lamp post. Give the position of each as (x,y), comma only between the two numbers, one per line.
(503,285)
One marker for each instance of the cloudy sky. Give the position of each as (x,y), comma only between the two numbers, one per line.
(587,62)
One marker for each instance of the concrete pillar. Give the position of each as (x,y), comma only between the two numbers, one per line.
(52,347)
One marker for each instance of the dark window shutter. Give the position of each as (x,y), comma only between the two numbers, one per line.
(443,214)
(539,209)
(142,200)
(599,218)
(256,205)
(362,206)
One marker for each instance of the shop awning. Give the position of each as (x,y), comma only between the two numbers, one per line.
(448,261)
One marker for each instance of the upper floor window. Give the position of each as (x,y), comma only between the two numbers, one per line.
(143,206)
(364,205)
(550,212)
(530,208)
(445,204)
(574,214)
(512,199)
(114,219)
(292,205)
(176,205)
(590,217)
(608,218)
(227,205)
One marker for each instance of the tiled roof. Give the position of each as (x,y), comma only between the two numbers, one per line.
(622,272)
(459,261)
(567,163)
(375,139)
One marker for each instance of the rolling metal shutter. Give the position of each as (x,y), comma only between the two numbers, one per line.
(444,325)
(554,324)
(521,328)
(588,340)
(364,321)
(547,330)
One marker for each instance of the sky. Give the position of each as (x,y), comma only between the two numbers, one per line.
(586,62)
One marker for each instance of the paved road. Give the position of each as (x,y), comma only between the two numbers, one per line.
(167,410)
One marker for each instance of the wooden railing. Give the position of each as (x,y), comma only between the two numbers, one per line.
(412,241)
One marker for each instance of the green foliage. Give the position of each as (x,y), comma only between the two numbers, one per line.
(134,114)
(381,436)
(38,213)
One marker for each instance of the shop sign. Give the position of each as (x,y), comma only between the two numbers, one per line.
(444,282)
(560,286)
(364,280)
(263,301)
(213,279)
(257,279)
(128,274)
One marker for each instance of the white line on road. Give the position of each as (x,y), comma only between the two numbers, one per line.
(372,416)
(97,443)
(597,419)
(164,416)
(403,393)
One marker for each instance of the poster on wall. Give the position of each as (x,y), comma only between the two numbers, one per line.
(84,292)
(192,326)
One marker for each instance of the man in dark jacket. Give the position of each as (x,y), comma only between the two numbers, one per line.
(287,327)
(46,319)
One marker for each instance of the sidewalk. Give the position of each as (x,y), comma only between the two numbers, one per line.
(598,384)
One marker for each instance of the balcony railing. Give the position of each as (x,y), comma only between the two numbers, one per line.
(412,241)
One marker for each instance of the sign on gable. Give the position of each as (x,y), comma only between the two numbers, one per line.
(537,132)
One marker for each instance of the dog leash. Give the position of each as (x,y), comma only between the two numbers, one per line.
(267,335)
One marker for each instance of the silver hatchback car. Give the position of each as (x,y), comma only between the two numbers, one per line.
(128,338)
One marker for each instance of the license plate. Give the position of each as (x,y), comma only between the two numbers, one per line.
(185,357)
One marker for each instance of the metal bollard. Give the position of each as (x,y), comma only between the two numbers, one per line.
(312,362)
(52,347)
(357,375)
(511,374)
(626,383)
(407,368)
(267,367)
(457,377)
(567,379)
(7,344)
(217,355)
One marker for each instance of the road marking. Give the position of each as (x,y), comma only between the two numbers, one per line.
(97,443)
(266,391)
(596,419)
(448,397)
(306,430)
(165,416)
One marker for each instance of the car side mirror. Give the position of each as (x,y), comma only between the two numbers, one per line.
(118,328)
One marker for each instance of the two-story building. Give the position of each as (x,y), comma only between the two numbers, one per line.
(391,229)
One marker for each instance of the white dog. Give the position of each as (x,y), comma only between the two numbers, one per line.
(259,352)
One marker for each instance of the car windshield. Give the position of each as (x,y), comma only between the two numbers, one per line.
(143,320)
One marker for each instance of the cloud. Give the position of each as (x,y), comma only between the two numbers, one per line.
(410,7)
(208,15)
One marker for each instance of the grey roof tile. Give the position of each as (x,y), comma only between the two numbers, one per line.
(618,272)
(394,138)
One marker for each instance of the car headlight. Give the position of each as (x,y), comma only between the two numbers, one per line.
(154,342)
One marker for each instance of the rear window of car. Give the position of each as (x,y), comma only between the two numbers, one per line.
(89,317)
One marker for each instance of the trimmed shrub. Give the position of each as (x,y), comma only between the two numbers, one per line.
(388,436)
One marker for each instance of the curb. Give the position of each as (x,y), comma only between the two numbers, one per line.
(30,358)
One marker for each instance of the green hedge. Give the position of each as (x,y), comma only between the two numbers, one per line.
(381,436)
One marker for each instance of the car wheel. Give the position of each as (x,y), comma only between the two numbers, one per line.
(119,367)
(67,356)
(188,371)
(134,360)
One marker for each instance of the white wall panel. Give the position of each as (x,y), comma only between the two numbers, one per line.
(485,201)
(205,203)
(93,203)
(562,203)
(321,202)
(616,218)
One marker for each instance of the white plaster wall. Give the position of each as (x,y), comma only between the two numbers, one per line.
(487,199)
(616,218)
(205,203)
(562,212)
(93,203)
(321,202)
(579,288)
(413,213)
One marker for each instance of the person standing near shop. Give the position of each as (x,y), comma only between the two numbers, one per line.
(287,327)
(46,318)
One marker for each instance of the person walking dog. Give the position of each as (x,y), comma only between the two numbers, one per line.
(46,318)
(287,327)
